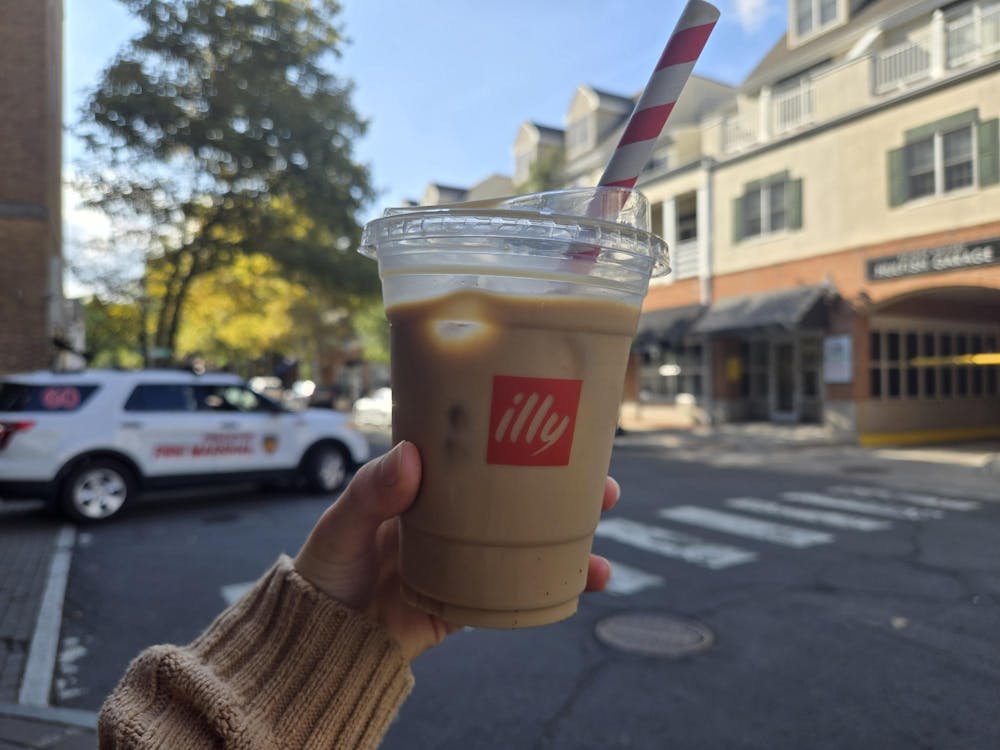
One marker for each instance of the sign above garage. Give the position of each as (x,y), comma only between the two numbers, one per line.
(934,260)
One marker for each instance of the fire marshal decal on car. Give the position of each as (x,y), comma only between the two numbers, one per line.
(270,443)
(211,444)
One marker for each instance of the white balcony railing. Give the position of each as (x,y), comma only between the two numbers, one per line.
(738,133)
(949,42)
(684,259)
(989,30)
(973,35)
(792,108)
(960,41)
(902,64)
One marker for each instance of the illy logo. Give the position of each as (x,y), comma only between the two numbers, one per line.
(532,421)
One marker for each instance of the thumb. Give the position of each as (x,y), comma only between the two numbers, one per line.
(381,490)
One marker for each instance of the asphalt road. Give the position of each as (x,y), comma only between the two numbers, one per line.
(868,626)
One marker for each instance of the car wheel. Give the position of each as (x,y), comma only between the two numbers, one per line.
(96,489)
(326,468)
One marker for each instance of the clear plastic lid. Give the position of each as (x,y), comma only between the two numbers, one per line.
(605,224)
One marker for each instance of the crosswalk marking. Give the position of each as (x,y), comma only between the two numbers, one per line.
(913,498)
(821,517)
(848,507)
(751,528)
(628,580)
(669,543)
(862,506)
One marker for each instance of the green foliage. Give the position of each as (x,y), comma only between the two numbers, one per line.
(220,132)
(545,173)
(372,330)
(113,333)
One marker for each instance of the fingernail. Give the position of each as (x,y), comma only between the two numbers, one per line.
(388,467)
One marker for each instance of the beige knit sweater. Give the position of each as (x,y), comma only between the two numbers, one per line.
(284,667)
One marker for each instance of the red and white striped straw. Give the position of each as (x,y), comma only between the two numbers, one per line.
(661,94)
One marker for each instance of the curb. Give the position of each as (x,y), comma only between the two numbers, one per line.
(36,681)
(69,717)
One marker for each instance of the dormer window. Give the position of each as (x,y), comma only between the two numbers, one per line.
(580,136)
(813,15)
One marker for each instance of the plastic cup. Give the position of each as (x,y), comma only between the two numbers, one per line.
(510,328)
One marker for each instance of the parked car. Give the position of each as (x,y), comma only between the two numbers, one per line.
(374,410)
(91,441)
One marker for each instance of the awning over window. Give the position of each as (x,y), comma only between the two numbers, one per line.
(789,309)
(667,327)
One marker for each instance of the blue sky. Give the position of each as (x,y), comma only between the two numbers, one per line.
(445,85)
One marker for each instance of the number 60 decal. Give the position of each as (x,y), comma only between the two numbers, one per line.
(60,399)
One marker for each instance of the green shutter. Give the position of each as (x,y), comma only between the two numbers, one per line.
(897,177)
(737,219)
(793,200)
(989,152)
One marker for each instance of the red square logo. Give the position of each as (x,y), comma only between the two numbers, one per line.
(532,421)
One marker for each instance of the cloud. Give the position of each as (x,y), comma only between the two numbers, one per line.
(751,14)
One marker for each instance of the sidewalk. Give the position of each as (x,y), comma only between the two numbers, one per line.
(27,547)
(680,422)
(23,727)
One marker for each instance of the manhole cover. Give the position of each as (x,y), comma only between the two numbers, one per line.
(654,634)
(863,469)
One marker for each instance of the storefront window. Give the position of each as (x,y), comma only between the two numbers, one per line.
(665,373)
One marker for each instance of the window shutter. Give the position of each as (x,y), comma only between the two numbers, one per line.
(989,152)
(897,177)
(793,199)
(737,219)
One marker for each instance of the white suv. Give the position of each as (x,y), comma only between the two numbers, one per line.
(91,440)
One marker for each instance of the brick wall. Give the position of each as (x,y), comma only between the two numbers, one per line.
(30,172)
(23,303)
(846,269)
(678,294)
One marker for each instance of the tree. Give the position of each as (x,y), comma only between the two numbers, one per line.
(219,131)
(545,172)
(241,312)
(113,338)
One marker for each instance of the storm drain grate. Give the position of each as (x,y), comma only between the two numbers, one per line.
(651,634)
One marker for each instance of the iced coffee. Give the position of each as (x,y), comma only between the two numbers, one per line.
(510,331)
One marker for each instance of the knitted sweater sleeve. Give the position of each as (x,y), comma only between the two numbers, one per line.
(284,667)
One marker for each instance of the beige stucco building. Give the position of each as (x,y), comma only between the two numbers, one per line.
(834,225)
(855,207)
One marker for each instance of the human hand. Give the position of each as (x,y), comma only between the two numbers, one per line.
(352,554)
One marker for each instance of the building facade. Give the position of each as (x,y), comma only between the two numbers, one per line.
(834,225)
(33,313)
(856,208)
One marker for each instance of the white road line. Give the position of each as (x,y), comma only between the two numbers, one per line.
(821,517)
(861,506)
(673,544)
(913,498)
(751,528)
(233,591)
(36,684)
(628,580)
